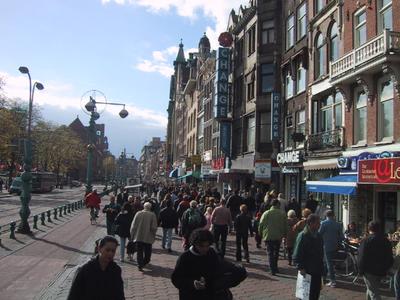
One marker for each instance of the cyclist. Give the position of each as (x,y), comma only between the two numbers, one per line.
(92,201)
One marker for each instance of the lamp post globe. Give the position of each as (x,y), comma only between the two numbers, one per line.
(91,109)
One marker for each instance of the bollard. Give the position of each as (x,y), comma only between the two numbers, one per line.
(61,211)
(55,214)
(42,219)
(35,219)
(76,205)
(0,235)
(72,207)
(65,209)
(49,217)
(69,208)
(12,230)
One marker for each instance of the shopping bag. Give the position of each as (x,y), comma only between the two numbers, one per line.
(303,286)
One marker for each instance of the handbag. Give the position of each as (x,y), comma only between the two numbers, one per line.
(131,247)
(303,285)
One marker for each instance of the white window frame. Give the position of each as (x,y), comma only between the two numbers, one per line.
(287,81)
(356,139)
(288,137)
(318,64)
(300,70)
(301,121)
(290,35)
(357,27)
(336,36)
(381,137)
(251,147)
(301,19)
(319,5)
(381,11)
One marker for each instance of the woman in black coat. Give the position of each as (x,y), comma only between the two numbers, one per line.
(100,278)
(122,227)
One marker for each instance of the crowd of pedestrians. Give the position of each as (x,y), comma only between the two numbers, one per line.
(203,219)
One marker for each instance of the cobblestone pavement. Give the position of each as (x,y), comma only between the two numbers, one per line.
(44,269)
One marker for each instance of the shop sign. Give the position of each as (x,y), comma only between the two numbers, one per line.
(351,163)
(196,160)
(205,169)
(218,163)
(276,116)
(207,155)
(379,171)
(221,83)
(262,169)
(225,137)
(288,157)
(288,170)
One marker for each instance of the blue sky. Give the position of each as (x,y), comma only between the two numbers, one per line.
(124,48)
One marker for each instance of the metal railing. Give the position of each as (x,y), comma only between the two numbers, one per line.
(40,219)
(379,45)
(326,140)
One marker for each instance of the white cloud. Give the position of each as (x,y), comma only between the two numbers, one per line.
(218,11)
(161,61)
(63,96)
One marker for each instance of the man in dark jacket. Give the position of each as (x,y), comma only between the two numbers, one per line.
(243,226)
(374,259)
(309,254)
(168,221)
(111,210)
(100,278)
(234,203)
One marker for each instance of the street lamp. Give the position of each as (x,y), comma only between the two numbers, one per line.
(91,108)
(26,176)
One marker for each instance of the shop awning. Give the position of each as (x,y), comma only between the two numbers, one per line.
(184,176)
(173,173)
(342,185)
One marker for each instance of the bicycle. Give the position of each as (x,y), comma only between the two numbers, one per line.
(346,261)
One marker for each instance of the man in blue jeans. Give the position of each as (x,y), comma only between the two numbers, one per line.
(168,221)
(332,235)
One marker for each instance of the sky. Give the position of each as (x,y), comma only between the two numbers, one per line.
(122,48)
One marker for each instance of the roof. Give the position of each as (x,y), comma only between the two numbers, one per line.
(180,58)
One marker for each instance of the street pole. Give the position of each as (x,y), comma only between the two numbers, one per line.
(90,149)
(26,176)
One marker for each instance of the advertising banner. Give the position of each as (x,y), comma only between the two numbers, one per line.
(379,171)
(262,169)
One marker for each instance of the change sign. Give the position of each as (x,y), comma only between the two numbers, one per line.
(276,116)
(221,83)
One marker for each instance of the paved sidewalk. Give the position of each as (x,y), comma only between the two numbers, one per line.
(45,268)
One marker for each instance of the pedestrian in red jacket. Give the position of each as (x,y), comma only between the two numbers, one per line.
(92,201)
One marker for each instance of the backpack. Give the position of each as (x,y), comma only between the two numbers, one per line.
(194,218)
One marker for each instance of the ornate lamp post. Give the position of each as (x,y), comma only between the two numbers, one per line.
(26,176)
(91,108)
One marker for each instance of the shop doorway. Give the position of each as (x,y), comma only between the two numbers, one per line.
(387,211)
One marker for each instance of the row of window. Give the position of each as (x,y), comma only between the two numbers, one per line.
(296,32)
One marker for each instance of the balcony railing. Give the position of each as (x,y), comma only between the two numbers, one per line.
(378,46)
(326,140)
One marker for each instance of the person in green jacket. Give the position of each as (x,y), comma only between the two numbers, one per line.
(273,227)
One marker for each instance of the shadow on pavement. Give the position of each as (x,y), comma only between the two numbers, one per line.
(5,248)
(158,271)
(62,246)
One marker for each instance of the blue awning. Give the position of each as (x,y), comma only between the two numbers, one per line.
(173,173)
(341,185)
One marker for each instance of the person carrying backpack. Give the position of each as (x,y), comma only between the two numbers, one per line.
(192,219)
